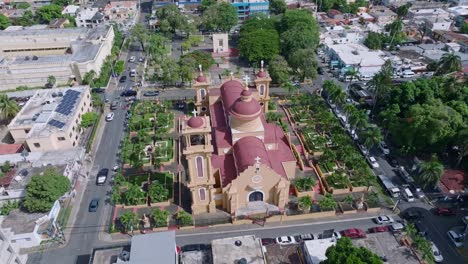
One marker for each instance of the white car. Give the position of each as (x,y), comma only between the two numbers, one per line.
(383,219)
(286,240)
(110,116)
(132,59)
(363,150)
(456,238)
(384,148)
(335,235)
(436,253)
(373,162)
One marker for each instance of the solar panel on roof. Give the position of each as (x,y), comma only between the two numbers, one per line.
(56,123)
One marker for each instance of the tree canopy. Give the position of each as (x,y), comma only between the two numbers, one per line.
(43,190)
(172,17)
(373,41)
(278,69)
(345,252)
(303,62)
(47,13)
(222,16)
(278,7)
(4,22)
(199,57)
(259,45)
(299,30)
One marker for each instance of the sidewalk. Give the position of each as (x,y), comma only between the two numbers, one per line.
(249,228)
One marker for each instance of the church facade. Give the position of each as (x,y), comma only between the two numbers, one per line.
(236,161)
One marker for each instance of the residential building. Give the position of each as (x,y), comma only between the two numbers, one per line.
(236,160)
(341,35)
(50,120)
(453,37)
(433,14)
(59,23)
(36,3)
(6,149)
(314,250)
(355,56)
(383,15)
(89,17)
(160,246)
(123,12)
(459,14)
(8,252)
(26,230)
(71,10)
(13,184)
(390,3)
(235,249)
(29,55)
(247,8)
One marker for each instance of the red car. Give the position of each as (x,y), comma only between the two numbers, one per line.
(378,229)
(445,211)
(353,233)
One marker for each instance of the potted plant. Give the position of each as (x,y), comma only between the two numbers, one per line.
(304,186)
(305,202)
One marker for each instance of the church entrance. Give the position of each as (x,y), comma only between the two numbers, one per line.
(256,196)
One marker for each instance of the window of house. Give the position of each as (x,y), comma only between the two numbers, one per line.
(70,135)
(61,138)
(76,137)
(199,165)
(202,194)
(202,94)
(37,145)
(74,143)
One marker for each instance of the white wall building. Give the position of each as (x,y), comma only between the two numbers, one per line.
(89,17)
(8,251)
(71,10)
(347,56)
(383,15)
(51,119)
(29,55)
(315,250)
(341,35)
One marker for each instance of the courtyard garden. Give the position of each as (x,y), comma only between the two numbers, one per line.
(331,149)
(149,142)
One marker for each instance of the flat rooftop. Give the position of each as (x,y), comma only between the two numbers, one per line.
(230,250)
(354,54)
(378,11)
(20,222)
(316,249)
(157,247)
(49,111)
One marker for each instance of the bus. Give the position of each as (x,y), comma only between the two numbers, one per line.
(391,189)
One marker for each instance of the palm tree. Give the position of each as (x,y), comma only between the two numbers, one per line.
(88,78)
(358,119)
(290,87)
(8,107)
(349,109)
(372,136)
(430,172)
(450,62)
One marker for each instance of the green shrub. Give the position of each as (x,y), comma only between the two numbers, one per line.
(184,219)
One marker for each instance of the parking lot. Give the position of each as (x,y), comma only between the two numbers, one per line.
(386,245)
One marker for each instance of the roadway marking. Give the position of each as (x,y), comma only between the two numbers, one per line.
(274,227)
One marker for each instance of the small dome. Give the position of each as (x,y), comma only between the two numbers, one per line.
(261,74)
(246,93)
(195,122)
(248,108)
(201,79)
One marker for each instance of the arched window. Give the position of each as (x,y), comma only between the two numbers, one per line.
(262,89)
(202,94)
(199,162)
(202,194)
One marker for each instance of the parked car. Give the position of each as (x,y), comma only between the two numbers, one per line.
(132,73)
(456,238)
(336,235)
(110,116)
(412,215)
(373,162)
(98,90)
(418,192)
(384,148)
(268,241)
(422,229)
(396,227)
(392,161)
(123,79)
(151,93)
(304,237)
(286,240)
(93,205)
(320,71)
(436,253)
(129,92)
(378,229)
(353,233)
(445,211)
(383,219)
(132,59)
(363,150)
(141,59)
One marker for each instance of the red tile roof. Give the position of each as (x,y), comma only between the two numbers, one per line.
(222,137)
(230,92)
(7,178)
(217,115)
(454,180)
(10,148)
(226,166)
(246,150)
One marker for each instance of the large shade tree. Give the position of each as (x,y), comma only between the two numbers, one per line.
(222,16)
(344,252)
(259,45)
(430,172)
(8,107)
(304,63)
(278,69)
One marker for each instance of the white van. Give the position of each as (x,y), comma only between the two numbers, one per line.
(408,195)
(407,74)
(132,73)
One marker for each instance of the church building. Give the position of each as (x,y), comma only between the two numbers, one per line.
(237,162)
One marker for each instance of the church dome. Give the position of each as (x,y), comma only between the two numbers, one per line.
(195,122)
(201,78)
(261,74)
(246,107)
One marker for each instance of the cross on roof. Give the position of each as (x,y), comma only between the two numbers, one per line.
(232,75)
(194,112)
(261,63)
(246,79)
(200,67)
(257,159)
